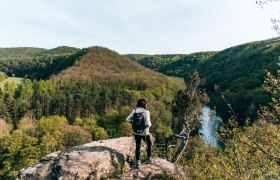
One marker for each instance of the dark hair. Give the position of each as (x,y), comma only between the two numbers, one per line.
(142,103)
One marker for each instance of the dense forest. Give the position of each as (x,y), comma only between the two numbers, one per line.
(237,73)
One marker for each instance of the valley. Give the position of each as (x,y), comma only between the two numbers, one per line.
(58,98)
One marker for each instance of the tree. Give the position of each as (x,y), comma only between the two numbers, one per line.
(125,129)
(98,133)
(17,150)
(5,127)
(51,142)
(272,85)
(10,102)
(50,124)
(4,113)
(187,107)
(75,135)
(275,22)
(27,124)
(266,136)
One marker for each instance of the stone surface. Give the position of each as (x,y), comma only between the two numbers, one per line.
(100,159)
(158,169)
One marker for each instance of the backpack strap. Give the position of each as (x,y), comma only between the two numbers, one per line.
(133,114)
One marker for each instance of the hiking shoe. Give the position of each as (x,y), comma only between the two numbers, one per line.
(138,164)
(148,160)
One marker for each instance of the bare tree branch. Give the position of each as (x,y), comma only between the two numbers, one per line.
(187,107)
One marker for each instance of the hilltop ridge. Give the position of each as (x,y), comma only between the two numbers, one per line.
(102,65)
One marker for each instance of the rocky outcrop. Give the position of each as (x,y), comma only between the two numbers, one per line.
(100,159)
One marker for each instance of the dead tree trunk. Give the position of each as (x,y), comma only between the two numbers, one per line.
(183,136)
(187,107)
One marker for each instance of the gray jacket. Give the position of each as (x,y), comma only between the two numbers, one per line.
(147,119)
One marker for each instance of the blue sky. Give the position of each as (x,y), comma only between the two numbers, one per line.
(135,26)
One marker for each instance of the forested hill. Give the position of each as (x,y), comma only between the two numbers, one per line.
(155,62)
(238,71)
(8,53)
(37,63)
(102,65)
(31,52)
(170,63)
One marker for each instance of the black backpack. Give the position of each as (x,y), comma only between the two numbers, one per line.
(138,122)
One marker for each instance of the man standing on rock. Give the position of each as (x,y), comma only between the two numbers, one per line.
(141,122)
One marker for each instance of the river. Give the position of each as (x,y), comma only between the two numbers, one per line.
(210,124)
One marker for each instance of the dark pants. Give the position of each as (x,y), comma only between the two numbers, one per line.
(147,140)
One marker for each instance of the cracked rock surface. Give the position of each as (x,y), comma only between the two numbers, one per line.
(100,159)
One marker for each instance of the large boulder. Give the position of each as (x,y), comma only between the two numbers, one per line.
(111,158)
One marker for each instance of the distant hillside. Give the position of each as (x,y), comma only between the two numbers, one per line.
(155,62)
(37,63)
(9,53)
(61,50)
(30,52)
(241,65)
(102,65)
(188,62)
(238,71)
(173,64)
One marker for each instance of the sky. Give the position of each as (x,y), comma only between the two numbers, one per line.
(136,26)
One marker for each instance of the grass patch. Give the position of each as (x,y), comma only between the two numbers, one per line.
(15,80)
